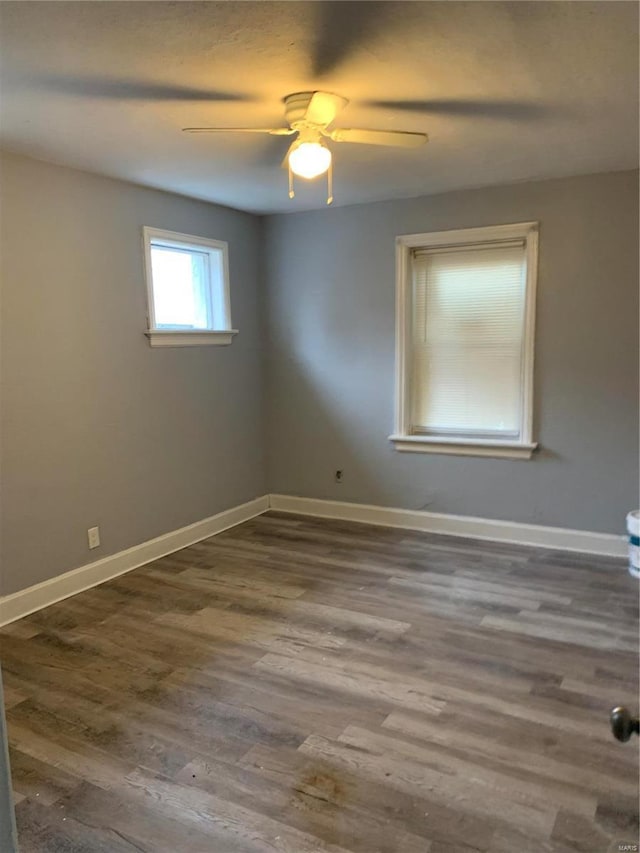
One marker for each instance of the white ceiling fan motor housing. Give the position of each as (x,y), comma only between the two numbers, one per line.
(323,110)
(295,106)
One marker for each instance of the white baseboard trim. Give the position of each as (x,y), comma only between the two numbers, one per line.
(584,541)
(33,598)
(41,595)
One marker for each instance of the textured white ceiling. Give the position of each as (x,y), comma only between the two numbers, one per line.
(507,91)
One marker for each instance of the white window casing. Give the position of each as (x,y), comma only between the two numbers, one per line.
(465,314)
(187,289)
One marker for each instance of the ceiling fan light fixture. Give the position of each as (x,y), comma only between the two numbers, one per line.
(308,115)
(310,159)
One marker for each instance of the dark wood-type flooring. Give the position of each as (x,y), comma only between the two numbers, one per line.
(304,685)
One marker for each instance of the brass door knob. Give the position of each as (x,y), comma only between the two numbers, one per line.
(623,725)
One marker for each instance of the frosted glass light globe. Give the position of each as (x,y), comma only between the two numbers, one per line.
(310,159)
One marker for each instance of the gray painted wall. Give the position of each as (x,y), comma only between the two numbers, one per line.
(97,427)
(331,359)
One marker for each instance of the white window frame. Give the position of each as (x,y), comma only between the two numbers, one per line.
(402,437)
(223,334)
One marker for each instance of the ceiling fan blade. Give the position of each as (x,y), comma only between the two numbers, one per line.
(274,131)
(394,138)
(129,89)
(341,29)
(476,108)
(324,107)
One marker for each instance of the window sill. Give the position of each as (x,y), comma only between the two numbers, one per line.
(170,338)
(463,447)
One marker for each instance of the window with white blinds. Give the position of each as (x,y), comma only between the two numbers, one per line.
(468,325)
(465,332)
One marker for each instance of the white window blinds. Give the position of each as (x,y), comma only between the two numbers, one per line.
(467,340)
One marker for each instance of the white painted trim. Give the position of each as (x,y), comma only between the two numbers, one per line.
(463,447)
(528,342)
(465,236)
(403,437)
(33,598)
(41,595)
(189,338)
(403,336)
(584,541)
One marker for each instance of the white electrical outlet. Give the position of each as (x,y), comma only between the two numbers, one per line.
(93,534)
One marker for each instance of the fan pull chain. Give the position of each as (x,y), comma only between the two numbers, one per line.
(291,192)
(330,183)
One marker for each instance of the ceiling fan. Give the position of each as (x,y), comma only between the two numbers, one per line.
(309,115)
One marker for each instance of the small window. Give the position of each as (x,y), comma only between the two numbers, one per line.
(466,302)
(187,289)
